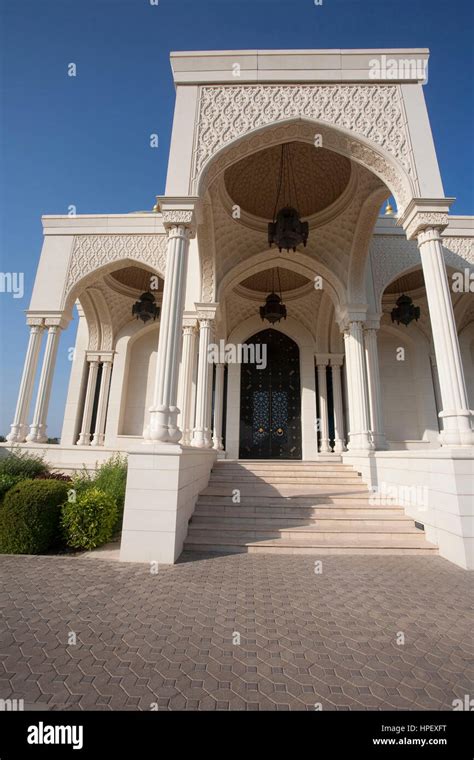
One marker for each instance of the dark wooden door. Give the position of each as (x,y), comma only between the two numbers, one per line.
(270,401)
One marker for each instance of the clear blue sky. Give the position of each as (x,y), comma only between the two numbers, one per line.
(85,140)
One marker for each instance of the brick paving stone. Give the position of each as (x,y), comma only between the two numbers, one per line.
(168,639)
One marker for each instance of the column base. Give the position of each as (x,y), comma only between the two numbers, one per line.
(17,434)
(360,442)
(379,442)
(84,440)
(97,440)
(457,429)
(158,429)
(339,447)
(199,439)
(37,434)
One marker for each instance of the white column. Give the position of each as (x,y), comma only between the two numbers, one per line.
(163,414)
(218,408)
(208,421)
(436,389)
(455,413)
(98,437)
(186,378)
(85,434)
(336,364)
(321,363)
(201,428)
(19,427)
(373,384)
(37,432)
(359,436)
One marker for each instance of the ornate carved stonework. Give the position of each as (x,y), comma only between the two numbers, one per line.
(94,251)
(391,255)
(176,217)
(207,255)
(424,219)
(460,246)
(372,111)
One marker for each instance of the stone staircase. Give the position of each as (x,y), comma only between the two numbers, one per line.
(290,507)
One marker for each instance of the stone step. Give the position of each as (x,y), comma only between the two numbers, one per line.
(243,533)
(283,546)
(322,458)
(281,489)
(239,510)
(290,479)
(353,501)
(299,508)
(255,469)
(217,522)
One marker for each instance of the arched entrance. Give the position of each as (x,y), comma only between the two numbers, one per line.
(270,400)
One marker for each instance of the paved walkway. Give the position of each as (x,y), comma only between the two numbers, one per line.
(171,638)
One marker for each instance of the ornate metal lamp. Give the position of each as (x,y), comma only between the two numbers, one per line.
(405,311)
(287,230)
(145,308)
(273,309)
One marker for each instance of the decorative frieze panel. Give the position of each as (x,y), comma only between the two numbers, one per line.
(392,255)
(462,247)
(94,251)
(371,111)
(177,217)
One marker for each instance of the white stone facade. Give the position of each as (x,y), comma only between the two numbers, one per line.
(149,390)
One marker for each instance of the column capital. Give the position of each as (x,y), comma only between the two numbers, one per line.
(371,325)
(428,235)
(107,357)
(179,212)
(206,311)
(322,360)
(48,319)
(373,321)
(337,360)
(423,213)
(190,322)
(92,358)
(352,313)
(35,322)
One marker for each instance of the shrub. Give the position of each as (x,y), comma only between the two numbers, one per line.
(22,464)
(29,517)
(55,476)
(89,520)
(6,482)
(112,478)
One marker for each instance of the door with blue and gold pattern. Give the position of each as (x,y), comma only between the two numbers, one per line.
(270,401)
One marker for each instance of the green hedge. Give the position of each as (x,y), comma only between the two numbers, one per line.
(7,482)
(89,518)
(30,515)
(22,464)
(111,477)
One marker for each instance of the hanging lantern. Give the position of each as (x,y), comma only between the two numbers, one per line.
(273,309)
(405,311)
(145,308)
(286,229)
